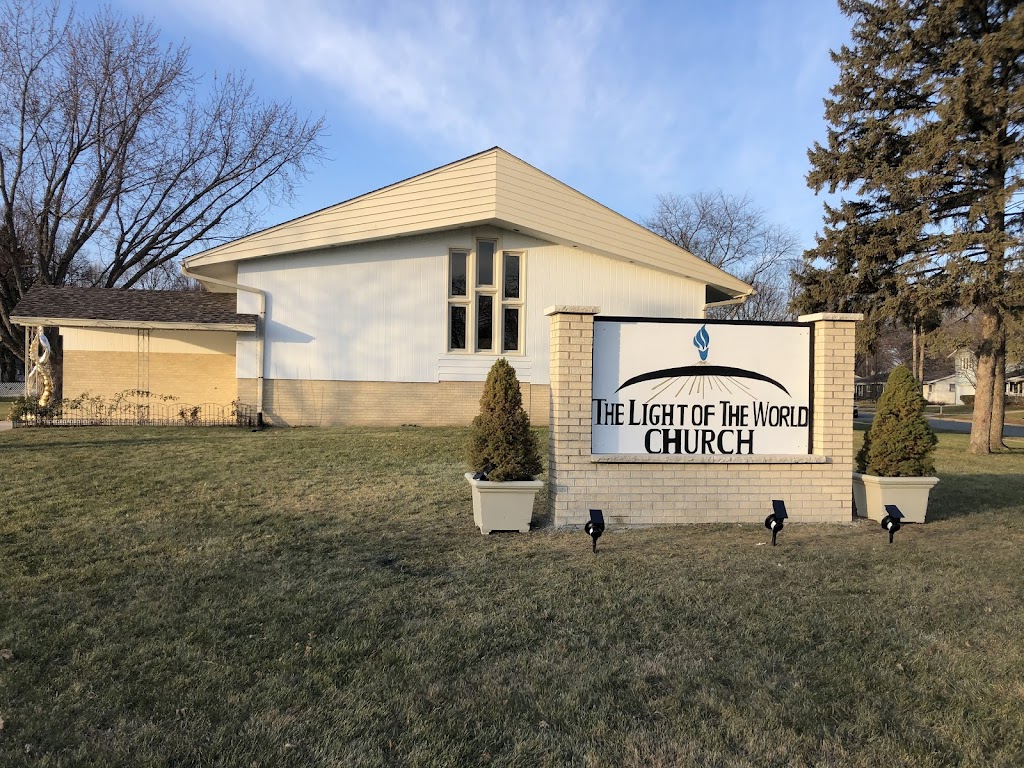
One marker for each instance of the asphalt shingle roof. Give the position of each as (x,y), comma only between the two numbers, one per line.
(62,302)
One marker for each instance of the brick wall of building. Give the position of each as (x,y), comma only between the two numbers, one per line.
(379,403)
(645,490)
(191,378)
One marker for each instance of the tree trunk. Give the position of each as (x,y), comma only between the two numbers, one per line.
(913,351)
(981,423)
(998,396)
(920,357)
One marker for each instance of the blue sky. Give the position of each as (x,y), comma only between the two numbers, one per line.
(621,101)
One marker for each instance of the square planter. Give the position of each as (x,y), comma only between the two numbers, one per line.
(910,494)
(503,506)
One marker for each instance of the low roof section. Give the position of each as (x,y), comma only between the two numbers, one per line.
(73,307)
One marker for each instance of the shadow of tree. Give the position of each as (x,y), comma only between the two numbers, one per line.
(962,495)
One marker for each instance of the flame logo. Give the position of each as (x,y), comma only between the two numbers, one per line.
(702,341)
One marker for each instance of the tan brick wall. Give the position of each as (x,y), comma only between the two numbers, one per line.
(380,403)
(192,378)
(723,489)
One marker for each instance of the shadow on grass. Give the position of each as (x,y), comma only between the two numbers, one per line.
(959,496)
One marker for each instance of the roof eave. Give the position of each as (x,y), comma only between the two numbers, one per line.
(78,322)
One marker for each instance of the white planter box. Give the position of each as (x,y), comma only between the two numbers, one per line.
(503,506)
(910,494)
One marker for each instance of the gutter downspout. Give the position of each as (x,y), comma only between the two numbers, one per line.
(741,299)
(259,330)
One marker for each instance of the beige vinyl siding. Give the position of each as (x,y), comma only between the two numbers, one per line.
(536,201)
(442,199)
(492,188)
(170,342)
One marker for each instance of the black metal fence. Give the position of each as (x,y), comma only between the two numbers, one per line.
(78,413)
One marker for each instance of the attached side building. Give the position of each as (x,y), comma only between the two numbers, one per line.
(165,342)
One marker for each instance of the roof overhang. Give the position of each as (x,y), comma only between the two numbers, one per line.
(506,192)
(78,322)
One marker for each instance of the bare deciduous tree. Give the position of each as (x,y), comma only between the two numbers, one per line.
(114,159)
(733,234)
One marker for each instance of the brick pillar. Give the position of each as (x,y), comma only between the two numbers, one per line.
(572,350)
(834,358)
(832,434)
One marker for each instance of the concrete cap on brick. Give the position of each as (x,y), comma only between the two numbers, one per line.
(571,309)
(817,317)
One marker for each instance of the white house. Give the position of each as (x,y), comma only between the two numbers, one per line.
(948,390)
(391,307)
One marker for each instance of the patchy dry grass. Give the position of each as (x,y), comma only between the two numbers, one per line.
(297,598)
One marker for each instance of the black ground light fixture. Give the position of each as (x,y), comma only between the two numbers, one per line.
(595,526)
(483,473)
(891,521)
(774,521)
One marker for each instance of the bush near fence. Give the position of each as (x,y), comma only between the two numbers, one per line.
(132,407)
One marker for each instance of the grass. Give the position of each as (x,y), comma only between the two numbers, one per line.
(321,598)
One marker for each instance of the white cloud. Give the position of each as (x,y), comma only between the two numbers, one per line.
(536,79)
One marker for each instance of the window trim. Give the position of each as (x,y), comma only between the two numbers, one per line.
(498,302)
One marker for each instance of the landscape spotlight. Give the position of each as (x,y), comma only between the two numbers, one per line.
(774,521)
(595,526)
(891,521)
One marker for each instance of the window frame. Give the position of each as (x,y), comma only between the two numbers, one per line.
(498,301)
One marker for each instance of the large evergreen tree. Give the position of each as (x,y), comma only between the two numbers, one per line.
(925,132)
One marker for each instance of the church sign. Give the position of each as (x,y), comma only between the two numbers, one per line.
(701,387)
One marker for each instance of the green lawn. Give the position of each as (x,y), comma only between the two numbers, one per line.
(321,598)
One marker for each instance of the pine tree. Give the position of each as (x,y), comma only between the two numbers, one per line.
(926,125)
(900,441)
(501,438)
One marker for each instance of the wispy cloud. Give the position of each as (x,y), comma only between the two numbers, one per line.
(624,101)
(533,78)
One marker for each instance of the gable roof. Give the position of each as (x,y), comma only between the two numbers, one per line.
(51,305)
(490,188)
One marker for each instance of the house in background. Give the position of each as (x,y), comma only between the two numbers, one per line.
(390,308)
(948,387)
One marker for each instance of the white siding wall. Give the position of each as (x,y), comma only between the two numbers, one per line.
(377,312)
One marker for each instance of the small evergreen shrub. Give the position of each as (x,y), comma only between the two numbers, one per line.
(501,438)
(900,441)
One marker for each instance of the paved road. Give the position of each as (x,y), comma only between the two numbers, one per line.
(949,425)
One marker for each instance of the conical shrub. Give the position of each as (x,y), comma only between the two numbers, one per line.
(900,441)
(501,438)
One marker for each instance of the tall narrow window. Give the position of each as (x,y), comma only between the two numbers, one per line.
(511,301)
(484,323)
(511,282)
(510,330)
(485,262)
(458,261)
(457,326)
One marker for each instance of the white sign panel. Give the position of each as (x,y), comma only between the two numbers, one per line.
(701,387)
